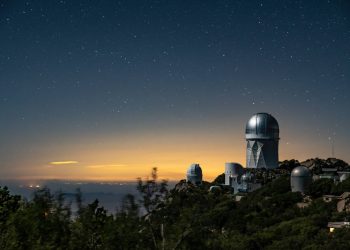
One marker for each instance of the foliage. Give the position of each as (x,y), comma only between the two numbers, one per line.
(320,187)
(220,179)
(186,217)
(151,191)
(289,164)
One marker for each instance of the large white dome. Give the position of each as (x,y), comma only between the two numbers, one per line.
(262,126)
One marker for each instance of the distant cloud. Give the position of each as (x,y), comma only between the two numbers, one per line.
(63,162)
(106,166)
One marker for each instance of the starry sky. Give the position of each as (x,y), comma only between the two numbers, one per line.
(110,89)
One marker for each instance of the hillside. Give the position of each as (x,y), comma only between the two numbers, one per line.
(186,217)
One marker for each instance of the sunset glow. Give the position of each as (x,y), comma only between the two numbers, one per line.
(110,91)
(63,162)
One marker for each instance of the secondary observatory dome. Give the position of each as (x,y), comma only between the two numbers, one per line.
(233,169)
(194,174)
(300,179)
(262,126)
(301,171)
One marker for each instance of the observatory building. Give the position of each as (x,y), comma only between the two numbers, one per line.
(239,179)
(233,172)
(262,135)
(300,179)
(194,174)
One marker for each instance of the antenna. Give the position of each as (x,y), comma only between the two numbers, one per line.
(332,142)
(333,149)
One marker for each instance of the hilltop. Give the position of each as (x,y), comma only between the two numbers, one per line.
(185,217)
(316,165)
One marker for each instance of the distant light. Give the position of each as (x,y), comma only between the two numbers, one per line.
(331,230)
(63,162)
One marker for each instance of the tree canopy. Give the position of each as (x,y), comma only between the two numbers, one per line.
(185,217)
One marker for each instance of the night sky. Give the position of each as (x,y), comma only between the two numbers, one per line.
(110,89)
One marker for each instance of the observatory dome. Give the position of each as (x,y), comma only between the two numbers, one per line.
(194,174)
(300,179)
(233,169)
(301,171)
(262,126)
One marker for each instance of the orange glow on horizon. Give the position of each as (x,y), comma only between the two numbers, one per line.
(125,157)
(63,162)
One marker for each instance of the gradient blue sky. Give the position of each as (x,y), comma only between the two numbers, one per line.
(121,86)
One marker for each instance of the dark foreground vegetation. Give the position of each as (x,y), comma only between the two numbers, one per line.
(185,217)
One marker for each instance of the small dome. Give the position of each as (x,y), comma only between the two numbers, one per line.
(300,179)
(194,174)
(301,171)
(233,169)
(194,169)
(215,189)
(262,126)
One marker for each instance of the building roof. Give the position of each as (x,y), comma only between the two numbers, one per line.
(329,169)
(262,126)
(338,224)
